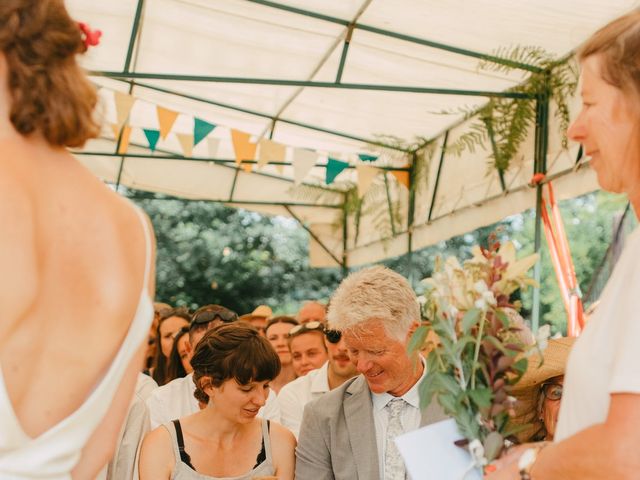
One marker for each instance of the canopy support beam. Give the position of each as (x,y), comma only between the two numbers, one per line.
(310,84)
(221,161)
(400,36)
(410,218)
(273,119)
(540,166)
(135,34)
(437,182)
(315,237)
(386,188)
(345,237)
(345,50)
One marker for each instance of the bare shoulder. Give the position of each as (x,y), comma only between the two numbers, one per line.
(157,459)
(283,442)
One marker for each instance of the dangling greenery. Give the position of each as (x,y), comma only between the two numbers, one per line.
(505,122)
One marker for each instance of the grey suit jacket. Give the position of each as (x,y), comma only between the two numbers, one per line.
(338,436)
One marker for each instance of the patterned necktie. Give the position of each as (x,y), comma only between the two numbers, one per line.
(393,464)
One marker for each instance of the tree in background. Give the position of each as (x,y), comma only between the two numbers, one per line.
(209,253)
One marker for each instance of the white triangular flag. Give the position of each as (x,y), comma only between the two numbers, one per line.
(303,162)
(213,144)
(366,175)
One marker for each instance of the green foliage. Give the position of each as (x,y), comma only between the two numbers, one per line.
(209,253)
(505,122)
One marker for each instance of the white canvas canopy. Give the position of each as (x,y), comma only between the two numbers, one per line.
(251,103)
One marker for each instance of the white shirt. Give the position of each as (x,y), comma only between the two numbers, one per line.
(606,357)
(295,395)
(175,400)
(410,417)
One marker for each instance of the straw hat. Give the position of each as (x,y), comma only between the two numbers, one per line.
(528,390)
(262,311)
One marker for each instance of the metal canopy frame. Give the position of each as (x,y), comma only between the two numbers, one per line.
(140,80)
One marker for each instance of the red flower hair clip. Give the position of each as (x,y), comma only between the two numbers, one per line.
(91,38)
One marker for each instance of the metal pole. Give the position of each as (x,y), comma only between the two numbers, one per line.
(410,217)
(540,166)
(135,34)
(310,84)
(262,115)
(400,36)
(345,237)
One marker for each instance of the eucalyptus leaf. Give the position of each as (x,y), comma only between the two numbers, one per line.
(470,319)
(417,339)
(482,397)
(493,445)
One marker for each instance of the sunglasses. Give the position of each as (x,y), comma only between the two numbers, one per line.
(210,314)
(552,391)
(306,327)
(333,336)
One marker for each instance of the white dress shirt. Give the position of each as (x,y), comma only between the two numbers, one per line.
(295,395)
(175,400)
(410,417)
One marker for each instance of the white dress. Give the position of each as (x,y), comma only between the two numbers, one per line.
(53,454)
(606,357)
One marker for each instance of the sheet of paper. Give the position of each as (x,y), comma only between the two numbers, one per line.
(430,454)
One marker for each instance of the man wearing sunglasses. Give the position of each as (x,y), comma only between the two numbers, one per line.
(175,399)
(349,432)
(333,373)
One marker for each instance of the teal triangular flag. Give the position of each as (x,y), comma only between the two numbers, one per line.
(200,130)
(334,167)
(152,137)
(367,158)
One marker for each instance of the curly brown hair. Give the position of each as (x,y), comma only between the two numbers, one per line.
(235,351)
(50,93)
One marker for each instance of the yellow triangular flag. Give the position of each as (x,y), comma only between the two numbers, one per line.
(166,119)
(243,147)
(124,104)
(366,175)
(270,152)
(124,142)
(186,142)
(303,162)
(402,177)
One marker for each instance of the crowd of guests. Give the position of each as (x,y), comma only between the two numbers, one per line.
(264,396)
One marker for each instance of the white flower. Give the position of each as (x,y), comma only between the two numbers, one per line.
(477,452)
(453,311)
(542,336)
(486,296)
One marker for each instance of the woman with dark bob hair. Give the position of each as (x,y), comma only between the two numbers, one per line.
(232,367)
(77,259)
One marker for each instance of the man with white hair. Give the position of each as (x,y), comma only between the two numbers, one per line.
(348,432)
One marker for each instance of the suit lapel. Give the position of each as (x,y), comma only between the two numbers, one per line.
(358,413)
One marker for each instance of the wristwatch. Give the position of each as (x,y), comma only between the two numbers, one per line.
(526,461)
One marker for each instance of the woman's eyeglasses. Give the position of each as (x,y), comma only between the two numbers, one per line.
(552,391)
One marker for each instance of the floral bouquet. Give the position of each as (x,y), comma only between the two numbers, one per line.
(482,345)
